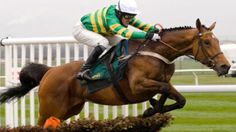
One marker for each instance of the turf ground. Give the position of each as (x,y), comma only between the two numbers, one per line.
(205,112)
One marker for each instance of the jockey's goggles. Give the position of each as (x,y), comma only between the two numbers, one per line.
(128,16)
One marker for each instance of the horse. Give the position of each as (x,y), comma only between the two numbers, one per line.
(147,73)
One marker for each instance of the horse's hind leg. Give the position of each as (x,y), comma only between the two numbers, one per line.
(63,115)
(60,108)
(74,110)
(42,120)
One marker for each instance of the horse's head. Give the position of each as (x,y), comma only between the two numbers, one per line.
(206,49)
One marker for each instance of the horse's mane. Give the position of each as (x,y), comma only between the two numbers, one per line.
(175,29)
(178,29)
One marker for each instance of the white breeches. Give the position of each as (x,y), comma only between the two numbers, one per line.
(82,35)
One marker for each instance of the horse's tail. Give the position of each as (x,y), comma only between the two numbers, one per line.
(29,77)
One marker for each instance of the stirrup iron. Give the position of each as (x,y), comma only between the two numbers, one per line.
(84,75)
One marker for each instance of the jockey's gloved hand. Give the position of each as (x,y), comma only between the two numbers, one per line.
(158,28)
(153,36)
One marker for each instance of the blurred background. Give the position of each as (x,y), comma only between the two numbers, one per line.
(34,18)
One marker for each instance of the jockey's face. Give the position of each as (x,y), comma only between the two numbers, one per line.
(125,22)
(126,19)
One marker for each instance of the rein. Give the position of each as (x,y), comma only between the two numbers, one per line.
(179,51)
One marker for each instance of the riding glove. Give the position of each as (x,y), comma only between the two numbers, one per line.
(153,36)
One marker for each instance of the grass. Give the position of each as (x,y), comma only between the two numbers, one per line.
(188,79)
(205,112)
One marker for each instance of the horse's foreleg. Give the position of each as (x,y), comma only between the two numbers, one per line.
(157,106)
(180,101)
(157,87)
(175,95)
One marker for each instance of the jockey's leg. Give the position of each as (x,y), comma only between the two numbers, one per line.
(82,35)
(89,38)
(115,39)
(84,71)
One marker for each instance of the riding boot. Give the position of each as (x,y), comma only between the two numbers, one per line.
(85,70)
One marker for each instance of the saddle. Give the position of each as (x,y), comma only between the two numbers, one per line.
(109,69)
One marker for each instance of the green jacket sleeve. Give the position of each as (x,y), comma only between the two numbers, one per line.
(116,27)
(141,25)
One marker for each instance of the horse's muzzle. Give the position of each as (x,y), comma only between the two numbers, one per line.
(222,69)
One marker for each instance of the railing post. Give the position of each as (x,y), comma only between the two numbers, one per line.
(23,61)
(195,78)
(32,106)
(114,112)
(8,67)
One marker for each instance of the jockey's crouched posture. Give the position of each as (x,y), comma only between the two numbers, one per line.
(107,27)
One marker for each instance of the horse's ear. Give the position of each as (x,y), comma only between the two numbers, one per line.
(212,26)
(199,25)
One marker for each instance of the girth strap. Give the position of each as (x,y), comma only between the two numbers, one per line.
(115,79)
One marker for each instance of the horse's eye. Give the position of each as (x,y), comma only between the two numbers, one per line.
(207,42)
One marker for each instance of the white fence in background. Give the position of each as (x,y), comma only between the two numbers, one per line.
(20,51)
(36,47)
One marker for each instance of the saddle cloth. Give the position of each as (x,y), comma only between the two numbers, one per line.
(101,71)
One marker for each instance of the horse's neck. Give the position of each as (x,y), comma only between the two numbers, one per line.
(179,40)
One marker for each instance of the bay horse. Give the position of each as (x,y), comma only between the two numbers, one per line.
(148,73)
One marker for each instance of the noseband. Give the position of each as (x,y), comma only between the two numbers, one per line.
(209,60)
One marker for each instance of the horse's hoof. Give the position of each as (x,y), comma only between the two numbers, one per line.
(149,112)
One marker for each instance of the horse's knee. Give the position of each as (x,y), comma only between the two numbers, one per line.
(165,89)
(181,102)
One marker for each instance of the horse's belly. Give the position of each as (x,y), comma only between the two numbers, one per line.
(110,97)
(105,96)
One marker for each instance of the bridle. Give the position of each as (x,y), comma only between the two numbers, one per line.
(209,60)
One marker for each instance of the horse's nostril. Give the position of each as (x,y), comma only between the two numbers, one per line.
(226,67)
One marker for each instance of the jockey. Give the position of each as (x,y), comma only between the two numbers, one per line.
(107,27)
